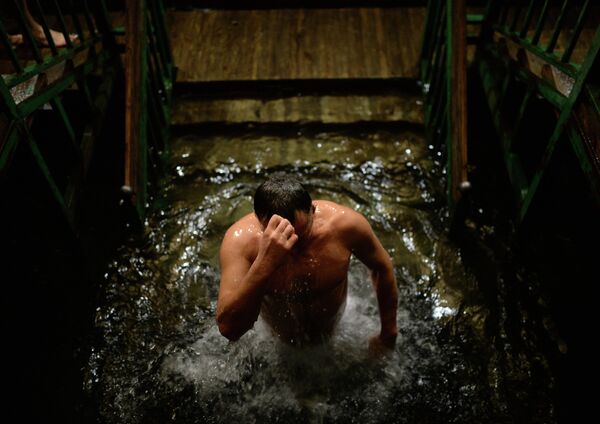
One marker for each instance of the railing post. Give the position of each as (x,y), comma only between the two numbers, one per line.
(456,98)
(135,102)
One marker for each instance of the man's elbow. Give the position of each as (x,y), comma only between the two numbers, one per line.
(228,330)
(229,333)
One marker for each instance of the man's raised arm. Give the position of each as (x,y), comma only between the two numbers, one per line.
(368,249)
(243,282)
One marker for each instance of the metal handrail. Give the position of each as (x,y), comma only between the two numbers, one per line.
(548,70)
(149,77)
(443,73)
(59,68)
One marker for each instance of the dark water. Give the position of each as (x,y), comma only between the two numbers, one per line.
(160,358)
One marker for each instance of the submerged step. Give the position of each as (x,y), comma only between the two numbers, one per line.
(328,109)
(327,101)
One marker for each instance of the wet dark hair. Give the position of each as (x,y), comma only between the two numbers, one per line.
(281,195)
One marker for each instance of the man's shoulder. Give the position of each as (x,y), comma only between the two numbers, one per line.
(243,233)
(339,217)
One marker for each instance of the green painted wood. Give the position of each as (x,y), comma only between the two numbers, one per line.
(564,116)
(528,19)
(76,23)
(59,108)
(576,32)
(156,78)
(63,25)
(42,19)
(432,59)
(443,75)
(19,114)
(593,95)
(8,148)
(427,42)
(516,173)
(158,19)
(48,62)
(512,162)
(544,88)
(557,27)
(540,24)
(164,36)
(567,68)
(33,103)
(87,14)
(513,26)
(8,103)
(433,99)
(27,31)
(502,95)
(473,18)
(157,70)
(520,116)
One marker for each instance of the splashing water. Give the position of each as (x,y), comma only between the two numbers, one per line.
(161,359)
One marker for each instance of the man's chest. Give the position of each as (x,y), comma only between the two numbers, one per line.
(311,272)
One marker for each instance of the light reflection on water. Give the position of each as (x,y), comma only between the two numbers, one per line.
(161,358)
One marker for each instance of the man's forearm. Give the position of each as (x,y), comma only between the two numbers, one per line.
(386,289)
(239,311)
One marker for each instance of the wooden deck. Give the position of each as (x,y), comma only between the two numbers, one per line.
(226,45)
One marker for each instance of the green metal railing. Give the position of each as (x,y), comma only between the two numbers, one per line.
(40,72)
(149,78)
(443,72)
(542,55)
(45,71)
(533,56)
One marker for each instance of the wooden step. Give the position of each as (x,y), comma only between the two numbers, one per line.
(276,44)
(298,101)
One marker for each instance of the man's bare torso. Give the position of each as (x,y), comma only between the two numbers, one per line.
(305,297)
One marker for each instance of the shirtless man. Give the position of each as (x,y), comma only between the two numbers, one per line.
(289,262)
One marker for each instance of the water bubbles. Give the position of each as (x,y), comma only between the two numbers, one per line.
(161,348)
(442,311)
(372,168)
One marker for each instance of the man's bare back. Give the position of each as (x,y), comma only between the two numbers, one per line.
(295,276)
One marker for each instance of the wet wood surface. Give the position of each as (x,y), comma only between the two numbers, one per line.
(328,109)
(225,45)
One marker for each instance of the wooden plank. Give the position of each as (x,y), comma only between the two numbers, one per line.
(224,45)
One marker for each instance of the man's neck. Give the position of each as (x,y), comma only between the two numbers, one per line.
(307,237)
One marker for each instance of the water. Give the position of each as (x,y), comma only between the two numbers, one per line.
(160,358)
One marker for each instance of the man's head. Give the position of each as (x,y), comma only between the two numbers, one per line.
(286,197)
